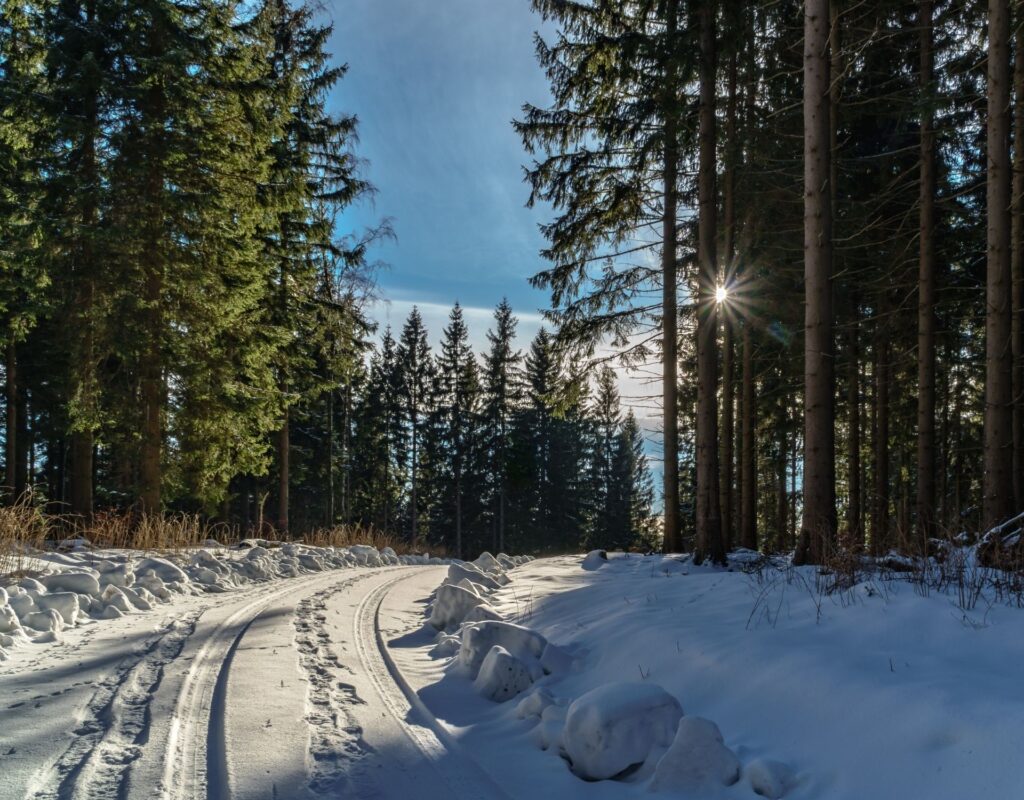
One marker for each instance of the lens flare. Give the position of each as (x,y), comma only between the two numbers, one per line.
(721,294)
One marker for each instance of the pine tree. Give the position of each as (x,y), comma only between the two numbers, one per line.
(378,444)
(416,387)
(457,411)
(23,136)
(612,142)
(608,528)
(502,388)
(631,516)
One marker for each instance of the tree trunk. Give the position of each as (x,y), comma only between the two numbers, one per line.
(854,514)
(748,457)
(926,297)
(670,389)
(11,454)
(1017,269)
(709,518)
(781,478)
(880,510)
(729,242)
(283,468)
(152,369)
(819,520)
(330,457)
(998,447)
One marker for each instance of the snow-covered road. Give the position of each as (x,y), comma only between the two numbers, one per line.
(280,690)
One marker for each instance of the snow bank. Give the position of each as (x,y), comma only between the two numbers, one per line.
(478,639)
(502,676)
(595,559)
(697,761)
(617,726)
(451,605)
(83,584)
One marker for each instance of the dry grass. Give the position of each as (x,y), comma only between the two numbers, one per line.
(25,528)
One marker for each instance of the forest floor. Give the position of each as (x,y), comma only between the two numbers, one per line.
(330,683)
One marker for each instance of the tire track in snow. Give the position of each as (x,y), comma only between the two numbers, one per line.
(336,743)
(196,755)
(461,776)
(97,763)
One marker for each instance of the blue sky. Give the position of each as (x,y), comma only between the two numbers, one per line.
(435,86)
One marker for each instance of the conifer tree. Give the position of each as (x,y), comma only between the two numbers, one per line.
(502,397)
(457,413)
(416,387)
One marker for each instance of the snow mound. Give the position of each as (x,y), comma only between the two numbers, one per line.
(595,559)
(482,613)
(771,779)
(617,726)
(478,639)
(467,572)
(451,605)
(697,760)
(502,676)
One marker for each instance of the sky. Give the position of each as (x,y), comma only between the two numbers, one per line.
(435,85)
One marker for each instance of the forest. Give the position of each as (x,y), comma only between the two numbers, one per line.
(808,216)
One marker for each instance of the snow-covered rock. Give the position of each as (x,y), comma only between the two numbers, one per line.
(595,559)
(502,676)
(616,726)
(771,779)
(451,605)
(534,703)
(77,582)
(481,613)
(460,572)
(478,639)
(697,760)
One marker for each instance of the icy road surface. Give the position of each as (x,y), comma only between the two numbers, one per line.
(281,690)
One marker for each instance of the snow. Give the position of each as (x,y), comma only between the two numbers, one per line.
(478,639)
(797,685)
(502,676)
(595,559)
(83,585)
(551,681)
(698,762)
(771,779)
(617,726)
(452,604)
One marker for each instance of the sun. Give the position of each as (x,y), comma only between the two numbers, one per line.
(721,294)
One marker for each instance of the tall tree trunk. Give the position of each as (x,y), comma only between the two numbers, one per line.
(729,242)
(880,508)
(709,517)
(84,362)
(151,383)
(283,469)
(330,457)
(926,296)
(414,532)
(748,456)
(998,447)
(854,514)
(819,520)
(11,452)
(1017,268)
(781,478)
(669,318)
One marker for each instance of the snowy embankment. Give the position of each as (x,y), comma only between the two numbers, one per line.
(617,677)
(64,590)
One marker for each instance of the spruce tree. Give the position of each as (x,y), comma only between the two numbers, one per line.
(416,387)
(502,397)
